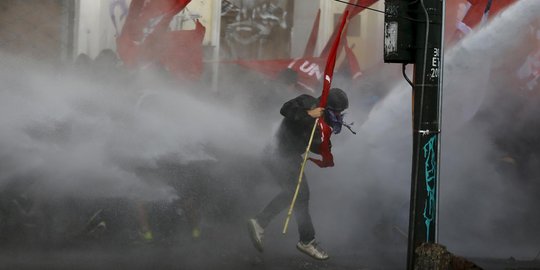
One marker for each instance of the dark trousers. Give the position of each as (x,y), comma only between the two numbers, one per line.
(285,168)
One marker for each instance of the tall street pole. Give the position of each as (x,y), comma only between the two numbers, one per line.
(428,60)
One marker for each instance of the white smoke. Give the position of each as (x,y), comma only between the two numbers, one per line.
(76,136)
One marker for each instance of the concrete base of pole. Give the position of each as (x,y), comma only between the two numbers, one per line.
(436,257)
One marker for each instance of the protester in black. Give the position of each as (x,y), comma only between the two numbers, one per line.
(284,163)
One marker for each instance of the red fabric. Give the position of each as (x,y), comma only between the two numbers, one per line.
(331,62)
(312,41)
(324,148)
(476,13)
(145,39)
(326,131)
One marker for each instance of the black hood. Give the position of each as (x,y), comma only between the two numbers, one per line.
(337,100)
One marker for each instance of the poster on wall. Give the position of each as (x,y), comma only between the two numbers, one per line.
(256,29)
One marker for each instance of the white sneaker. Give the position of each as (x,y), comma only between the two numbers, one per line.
(256,233)
(313,249)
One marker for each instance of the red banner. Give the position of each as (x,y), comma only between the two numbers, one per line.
(326,131)
(146,39)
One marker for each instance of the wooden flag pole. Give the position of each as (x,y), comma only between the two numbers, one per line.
(300,177)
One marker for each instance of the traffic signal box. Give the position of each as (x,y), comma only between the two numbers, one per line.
(399,31)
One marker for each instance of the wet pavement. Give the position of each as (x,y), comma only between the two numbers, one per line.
(170,259)
(203,256)
(232,251)
(223,248)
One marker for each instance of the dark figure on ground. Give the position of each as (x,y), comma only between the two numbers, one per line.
(284,163)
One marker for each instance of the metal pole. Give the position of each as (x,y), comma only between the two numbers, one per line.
(426,125)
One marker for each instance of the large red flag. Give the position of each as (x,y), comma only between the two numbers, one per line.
(326,131)
(146,23)
(146,39)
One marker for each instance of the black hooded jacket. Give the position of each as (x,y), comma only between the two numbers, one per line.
(295,129)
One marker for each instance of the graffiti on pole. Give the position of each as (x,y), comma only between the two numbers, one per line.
(430,174)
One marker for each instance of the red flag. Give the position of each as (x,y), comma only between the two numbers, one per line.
(331,62)
(326,131)
(312,41)
(145,25)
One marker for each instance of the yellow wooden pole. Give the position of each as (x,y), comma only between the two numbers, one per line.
(300,177)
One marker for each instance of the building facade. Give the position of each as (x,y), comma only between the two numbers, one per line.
(248,29)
